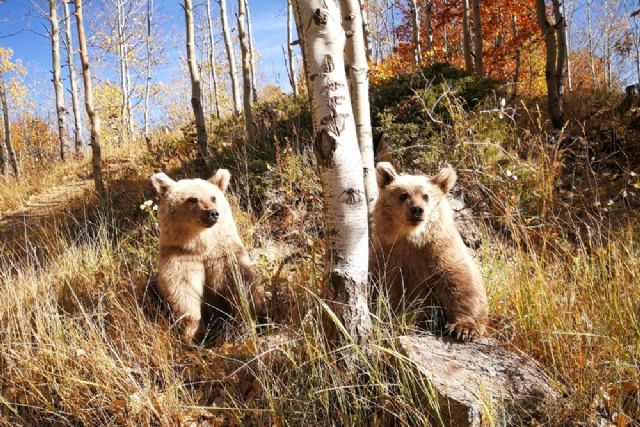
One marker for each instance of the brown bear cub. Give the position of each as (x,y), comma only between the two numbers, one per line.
(417,252)
(201,255)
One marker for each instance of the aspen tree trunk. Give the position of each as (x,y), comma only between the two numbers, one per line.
(569,80)
(3,156)
(445,40)
(339,163)
(230,56)
(555,43)
(123,52)
(477,37)
(516,71)
(427,10)
(11,154)
(592,61)
(357,70)
(365,30)
(252,53)
(212,61)
(246,73)
(96,156)
(466,41)
(61,111)
(147,85)
(196,85)
(293,78)
(77,118)
(415,20)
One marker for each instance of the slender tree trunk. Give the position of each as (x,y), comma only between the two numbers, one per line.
(125,104)
(147,85)
(445,40)
(230,56)
(415,27)
(293,78)
(3,155)
(77,118)
(212,61)
(339,164)
(246,72)
(427,17)
(7,129)
(466,41)
(252,53)
(96,157)
(196,86)
(592,61)
(57,82)
(365,30)
(477,37)
(555,43)
(357,70)
(569,79)
(516,71)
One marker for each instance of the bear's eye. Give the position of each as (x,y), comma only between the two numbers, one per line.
(404,196)
(213,199)
(425,197)
(192,200)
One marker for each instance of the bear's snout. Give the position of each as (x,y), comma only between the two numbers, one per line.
(210,217)
(416,214)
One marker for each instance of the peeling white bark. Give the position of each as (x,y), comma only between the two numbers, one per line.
(339,164)
(357,70)
(61,110)
(75,104)
(231,58)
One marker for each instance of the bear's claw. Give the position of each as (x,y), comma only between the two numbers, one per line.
(462,331)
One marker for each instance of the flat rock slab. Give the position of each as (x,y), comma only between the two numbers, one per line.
(481,383)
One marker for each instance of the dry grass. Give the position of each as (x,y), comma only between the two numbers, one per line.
(85,342)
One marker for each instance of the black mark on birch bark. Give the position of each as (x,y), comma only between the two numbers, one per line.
(320,17)
(327,65)
(325,147)
(351,196)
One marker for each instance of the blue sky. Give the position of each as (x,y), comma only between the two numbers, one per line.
(23,29)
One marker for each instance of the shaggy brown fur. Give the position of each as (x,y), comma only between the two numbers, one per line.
(201,255)
(417,252)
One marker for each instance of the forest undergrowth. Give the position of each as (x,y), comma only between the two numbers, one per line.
(84,339)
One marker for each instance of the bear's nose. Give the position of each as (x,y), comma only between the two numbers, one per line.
(213,214)
(416,212)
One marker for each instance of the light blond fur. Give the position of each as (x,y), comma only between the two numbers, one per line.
(417,259)
(200,263)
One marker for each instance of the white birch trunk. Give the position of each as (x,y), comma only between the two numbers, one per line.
(357,70)
(366,30)
(477,37)
(415,27)
(230,56)
(147,86)
(125,80)
(77,118)
(293,78)
(96,156)
(339,164)
(592,61)
(212,61)
(252,53)
(61,111)
(246,72)
(196,85)
(11,154)
(466,40)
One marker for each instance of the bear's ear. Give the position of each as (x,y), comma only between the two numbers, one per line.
(445,179)
(221,179)
(161,183)
(385,174)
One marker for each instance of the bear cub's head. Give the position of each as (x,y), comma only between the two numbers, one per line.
(194,203)
(409,203)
